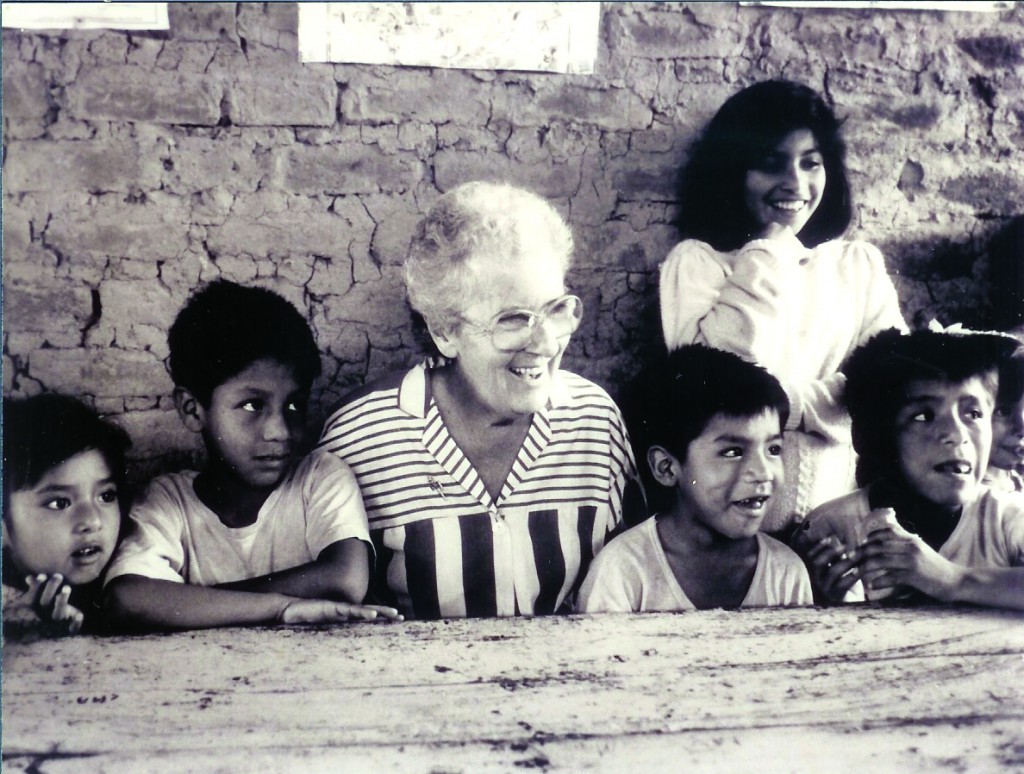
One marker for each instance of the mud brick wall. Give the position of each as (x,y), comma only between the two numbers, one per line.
(138,165)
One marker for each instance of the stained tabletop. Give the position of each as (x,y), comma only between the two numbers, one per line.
(860,689)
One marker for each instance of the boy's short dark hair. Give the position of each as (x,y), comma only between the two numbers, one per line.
(44,431)
(671,402)
(879,373)
(225,327)
(748,126)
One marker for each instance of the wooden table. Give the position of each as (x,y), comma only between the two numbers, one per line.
(858,689)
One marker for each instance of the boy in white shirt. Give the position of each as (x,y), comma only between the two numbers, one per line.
(260,535)
(922,406)
(710,425)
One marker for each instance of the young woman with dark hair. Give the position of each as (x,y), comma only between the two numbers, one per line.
(761,272)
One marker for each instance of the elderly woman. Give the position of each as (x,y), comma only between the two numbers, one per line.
(490,476)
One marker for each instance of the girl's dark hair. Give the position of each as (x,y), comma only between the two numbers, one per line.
(225,327)
(47,430)
(745,129)
(674,398)
(879,374)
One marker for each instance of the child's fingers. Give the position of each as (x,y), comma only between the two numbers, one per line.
(843,584)
(385,612)
(76,622)
(51,589)
(315,611)
(61,609)
(839,576)
(826,551)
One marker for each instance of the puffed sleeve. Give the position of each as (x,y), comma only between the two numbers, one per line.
(735,302)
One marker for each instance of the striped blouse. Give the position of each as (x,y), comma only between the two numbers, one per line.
(445,548)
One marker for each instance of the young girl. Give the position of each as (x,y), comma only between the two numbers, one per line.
(62,478)
(761,272)
(1006,465)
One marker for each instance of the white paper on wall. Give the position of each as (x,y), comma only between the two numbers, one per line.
(85,16)
(547,37)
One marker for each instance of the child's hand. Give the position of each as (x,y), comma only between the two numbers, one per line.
(320,611)
(833,570)
(48,596)
(895,557)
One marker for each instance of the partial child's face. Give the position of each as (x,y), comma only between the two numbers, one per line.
(1008,435)
(943,436)
(787,186)
(731,471)
(68,522)
(255,422)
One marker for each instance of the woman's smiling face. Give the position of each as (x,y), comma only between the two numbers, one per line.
(509,383)
(787,185)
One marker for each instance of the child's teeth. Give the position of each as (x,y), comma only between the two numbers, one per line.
(956,467)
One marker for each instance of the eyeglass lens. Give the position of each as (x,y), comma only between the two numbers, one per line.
(513,330)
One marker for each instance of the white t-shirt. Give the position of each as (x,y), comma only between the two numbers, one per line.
(176,537)
(632,574)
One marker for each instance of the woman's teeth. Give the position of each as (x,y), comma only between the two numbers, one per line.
(788,206)
(528,373)
(958,467)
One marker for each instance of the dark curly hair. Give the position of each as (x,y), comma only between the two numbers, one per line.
(225,327)
(747,127)
(879,373)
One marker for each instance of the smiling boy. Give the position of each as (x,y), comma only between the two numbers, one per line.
(711,427)
(922,406)
(261,534)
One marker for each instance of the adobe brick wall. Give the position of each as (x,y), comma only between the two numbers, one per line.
(138,165)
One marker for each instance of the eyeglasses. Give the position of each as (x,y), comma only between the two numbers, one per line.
(514,329)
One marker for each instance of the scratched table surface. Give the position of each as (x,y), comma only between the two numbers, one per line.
(857,689)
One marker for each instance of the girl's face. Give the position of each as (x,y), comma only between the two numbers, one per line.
(68,522)
(786,186)
(1008,435)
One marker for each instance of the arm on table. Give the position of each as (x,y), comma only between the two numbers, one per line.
(340,572)
(134,602)
(893,557)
